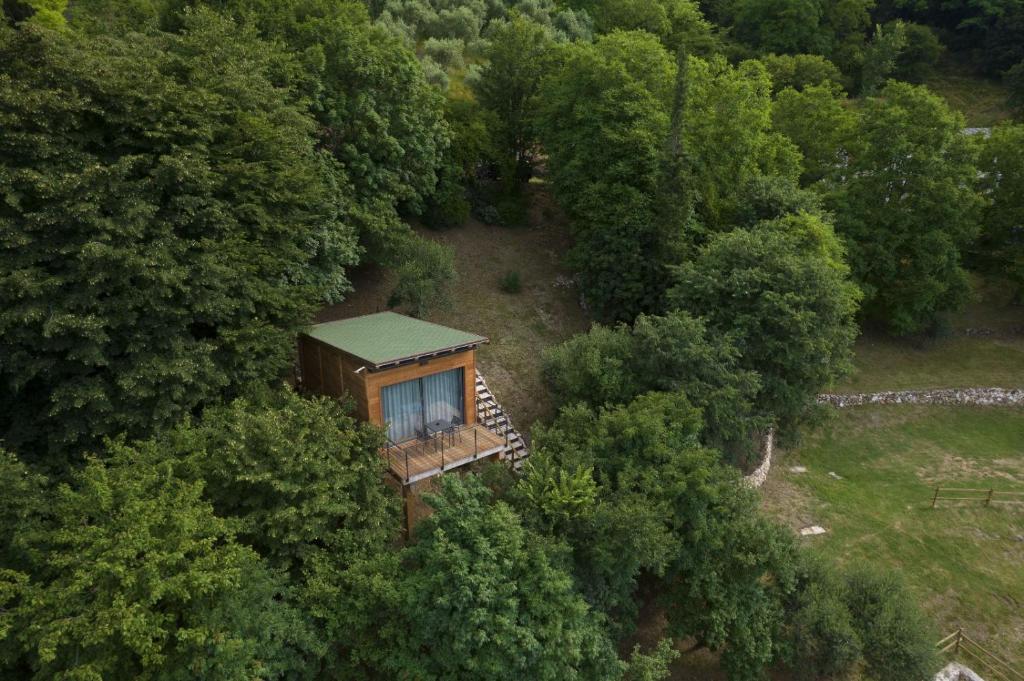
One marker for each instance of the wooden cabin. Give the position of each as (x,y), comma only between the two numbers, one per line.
(412,377)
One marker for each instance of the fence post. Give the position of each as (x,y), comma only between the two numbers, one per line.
(988,500)
(959,635)
(935,497)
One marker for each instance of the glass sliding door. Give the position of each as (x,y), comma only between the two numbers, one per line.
(442,396)
(403,410)
(410,405)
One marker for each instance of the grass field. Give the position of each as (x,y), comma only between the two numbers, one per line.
(520,326)
(958,361)
(965,563)
(982,100)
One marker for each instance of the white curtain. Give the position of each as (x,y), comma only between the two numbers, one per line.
(442,396)
(410,405)
(403,410)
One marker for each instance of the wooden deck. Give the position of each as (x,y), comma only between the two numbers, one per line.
(417,459)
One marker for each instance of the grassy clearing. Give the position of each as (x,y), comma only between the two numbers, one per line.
(520,325)
(965,563)
(981,100)
(959,361)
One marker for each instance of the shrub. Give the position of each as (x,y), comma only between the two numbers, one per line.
(447,52)
(448,206)
(510,283)
(512,212)
(425,275)
(898,643)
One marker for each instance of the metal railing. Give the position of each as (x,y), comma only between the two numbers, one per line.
(398,455)
(489,414)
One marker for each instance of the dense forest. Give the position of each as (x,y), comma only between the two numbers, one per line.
(185,183)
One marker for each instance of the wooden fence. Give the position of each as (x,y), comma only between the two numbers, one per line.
(960,645)
(986,497)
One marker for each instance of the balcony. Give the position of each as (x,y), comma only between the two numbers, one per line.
(420,459)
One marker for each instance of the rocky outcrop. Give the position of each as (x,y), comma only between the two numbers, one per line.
(954,671)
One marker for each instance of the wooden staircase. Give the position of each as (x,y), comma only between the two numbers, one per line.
(490,414)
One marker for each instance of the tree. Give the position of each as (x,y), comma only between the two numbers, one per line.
(728,138)
(604,161)
(169,225)
(906,207)
(483,598)
(799,71)
(920,53)
(881,56)
(667,508)
(302,479)
(516,59)
(678,23)
(898,640)
(1002,172)
(782,293)
(48,13)
(674,353)
(134,576)
(819,122)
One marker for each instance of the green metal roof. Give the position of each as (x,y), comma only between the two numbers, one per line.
(388,338)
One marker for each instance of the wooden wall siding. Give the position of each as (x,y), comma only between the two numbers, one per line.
(376,381)
(329,371)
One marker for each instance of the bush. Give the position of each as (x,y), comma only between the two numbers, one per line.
(447,52)
(917,60)
(448,206)
(799,71)
(898,642)
(512,212)
(510,283)
(425,274)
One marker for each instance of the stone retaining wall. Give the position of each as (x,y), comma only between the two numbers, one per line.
(949,396)
(757,478)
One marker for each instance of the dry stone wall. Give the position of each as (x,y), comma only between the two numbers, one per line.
(987,397)
(757,478)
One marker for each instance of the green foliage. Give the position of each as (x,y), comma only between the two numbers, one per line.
(168,226)
(516,58)
(46,13)
(448,207)
(832,29)
(677,23)
(782,293)
(134,576)
(300,475)
(820,639)
(918,58)
(1002,183)
(881,56)
(898,641)
(653,666)
(481,597)
(667,506)
(799,71)
(674,353)
(906,207)
(604,164)
(819,122)
(303,481)
(426,272)
(510,282)
(728,138)
(1014,79)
